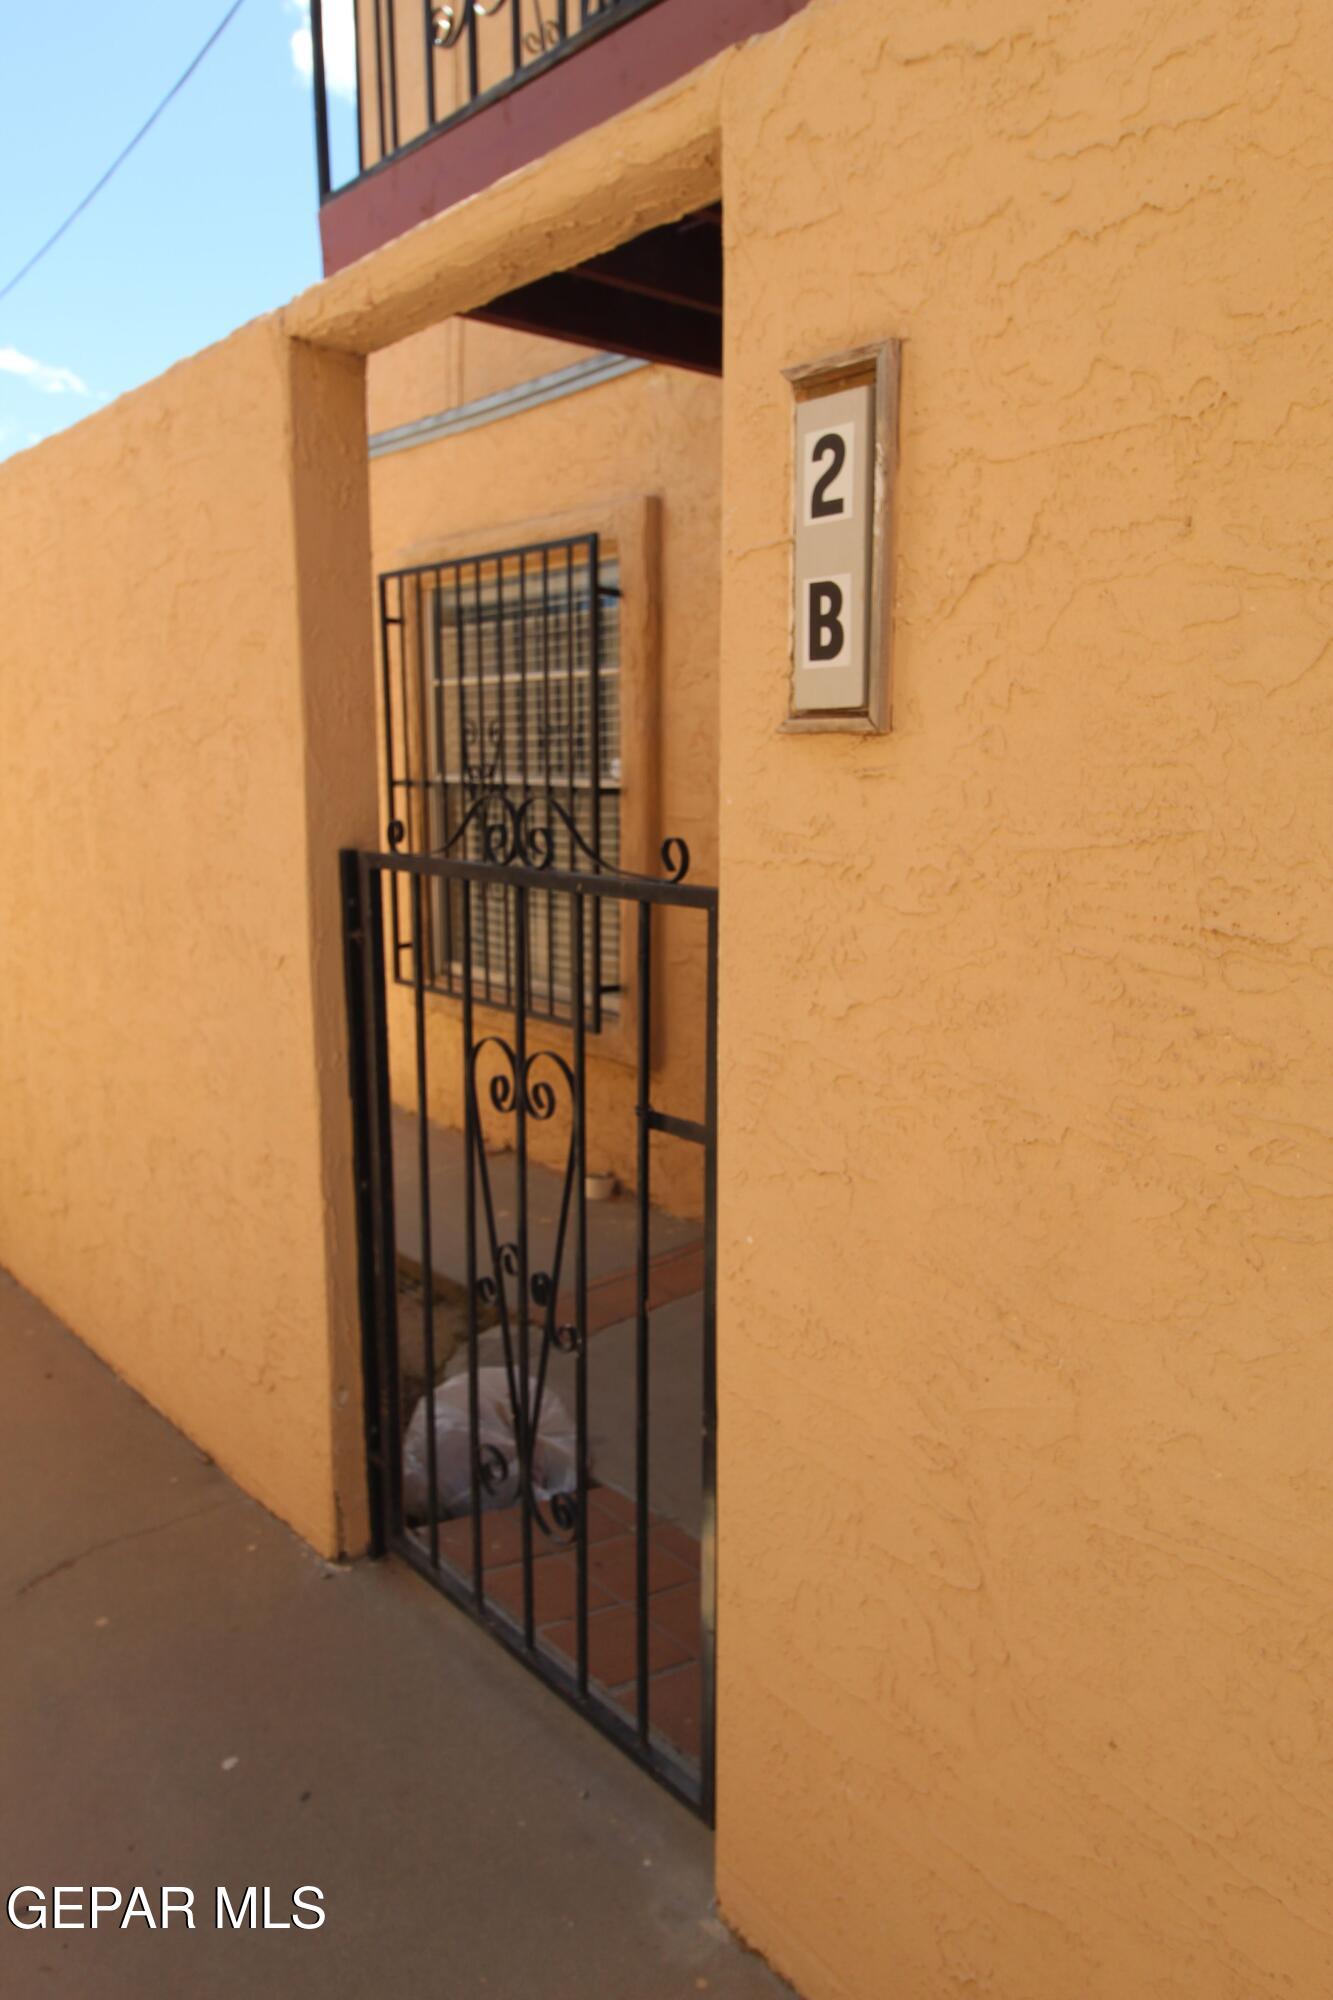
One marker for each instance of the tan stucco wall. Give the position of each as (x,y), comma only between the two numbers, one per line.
(653,434)
(456,362)
(1027,1516)
(185,701)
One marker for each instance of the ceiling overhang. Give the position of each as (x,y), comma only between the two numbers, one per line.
(657,297)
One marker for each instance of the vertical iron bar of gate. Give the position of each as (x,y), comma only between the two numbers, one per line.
(581,1280)
(643,1114)
(470,1141)
(527,1443)
(358,1047)
(390,772)
(472,67)
(423,1176)
(708,1534)
(383,1235)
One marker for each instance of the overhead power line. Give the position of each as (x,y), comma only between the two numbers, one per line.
(124,154)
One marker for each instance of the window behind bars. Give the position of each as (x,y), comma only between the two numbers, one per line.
(502,682)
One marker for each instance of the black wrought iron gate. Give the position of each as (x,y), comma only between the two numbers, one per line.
(483,1467)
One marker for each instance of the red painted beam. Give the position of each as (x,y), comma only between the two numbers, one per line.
(593,83)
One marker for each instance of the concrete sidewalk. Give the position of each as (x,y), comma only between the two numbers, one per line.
(190,1696)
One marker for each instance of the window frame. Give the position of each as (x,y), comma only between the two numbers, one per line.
(629,531)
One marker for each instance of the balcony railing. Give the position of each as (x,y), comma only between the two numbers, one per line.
(388,74)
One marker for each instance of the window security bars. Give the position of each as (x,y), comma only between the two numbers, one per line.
(422,65)
(501,689)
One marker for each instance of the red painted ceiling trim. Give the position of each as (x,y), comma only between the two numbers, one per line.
(617,70)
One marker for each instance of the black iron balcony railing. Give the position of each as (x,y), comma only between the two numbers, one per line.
(390,73)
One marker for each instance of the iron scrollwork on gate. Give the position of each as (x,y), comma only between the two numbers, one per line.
(526,1389)
(522,835)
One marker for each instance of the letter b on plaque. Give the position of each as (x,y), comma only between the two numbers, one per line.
(828,601)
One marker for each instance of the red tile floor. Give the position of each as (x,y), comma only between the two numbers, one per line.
(675,1686)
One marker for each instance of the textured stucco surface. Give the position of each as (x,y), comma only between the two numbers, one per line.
(456,362)
(1027,1519)
(1025,1509)
(651,165)
(185,700)
(653,434)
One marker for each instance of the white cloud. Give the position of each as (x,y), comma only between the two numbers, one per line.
(339,45)
(51,381)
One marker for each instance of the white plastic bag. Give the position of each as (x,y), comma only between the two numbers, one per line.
(555,1458)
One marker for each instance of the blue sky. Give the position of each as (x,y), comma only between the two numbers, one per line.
(213,218)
